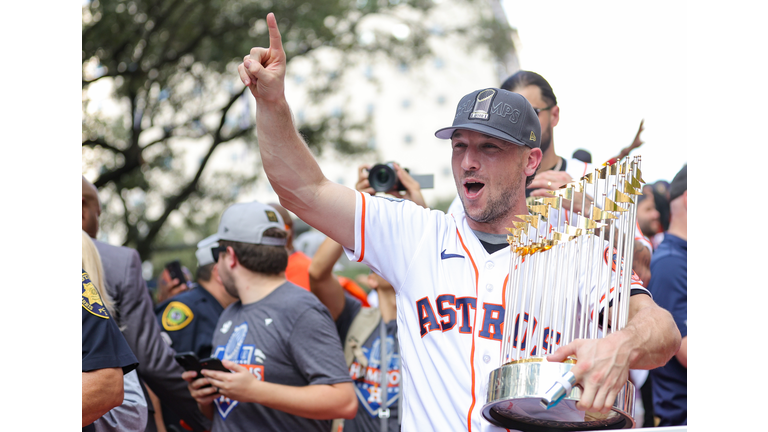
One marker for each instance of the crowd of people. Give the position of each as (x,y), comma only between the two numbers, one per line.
(280,342)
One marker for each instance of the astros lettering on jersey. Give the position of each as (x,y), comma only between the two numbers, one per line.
(450,307)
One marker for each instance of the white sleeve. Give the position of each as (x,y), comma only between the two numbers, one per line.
(388,234)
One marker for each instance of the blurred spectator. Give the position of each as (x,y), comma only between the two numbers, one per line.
(167,287)
(297,271)
(661,199)
(583,156)
(132,413)
(106,358)
(134,314)
(669,287)
(647,215)
(277,339)
(189,318)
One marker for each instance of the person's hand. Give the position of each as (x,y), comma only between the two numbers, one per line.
(167,287)
(263,70)
(602,369)
(412,187)
(363,185)
(549,180)
(197,388)
(546,181)
(237,385)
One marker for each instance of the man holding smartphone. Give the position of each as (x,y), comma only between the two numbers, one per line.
(279,341)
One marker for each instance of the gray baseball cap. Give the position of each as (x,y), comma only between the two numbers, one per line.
(246,223)
(203,252)
(499,113)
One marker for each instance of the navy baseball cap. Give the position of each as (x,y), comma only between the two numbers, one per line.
(498,113)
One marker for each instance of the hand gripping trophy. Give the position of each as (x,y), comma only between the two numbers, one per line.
(567,282)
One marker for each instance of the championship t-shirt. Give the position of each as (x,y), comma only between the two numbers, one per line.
(367,379)
(288,338)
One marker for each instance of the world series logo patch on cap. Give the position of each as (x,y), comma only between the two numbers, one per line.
(482,104)
(92,301)
(177,315)
(271,216)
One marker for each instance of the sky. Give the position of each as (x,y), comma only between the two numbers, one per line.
(611,64)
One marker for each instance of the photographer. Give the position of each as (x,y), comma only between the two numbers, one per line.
(412,187)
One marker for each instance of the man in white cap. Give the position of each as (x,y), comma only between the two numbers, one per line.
(277,339)
(189,319)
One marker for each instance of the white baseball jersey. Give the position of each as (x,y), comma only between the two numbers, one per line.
(450,308)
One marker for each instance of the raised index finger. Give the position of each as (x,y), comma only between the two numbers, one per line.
(275,41)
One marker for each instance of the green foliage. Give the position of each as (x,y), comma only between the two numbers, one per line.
(170,67)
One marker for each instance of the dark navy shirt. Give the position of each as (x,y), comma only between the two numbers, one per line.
(190,319)
(669,286)
(103,344)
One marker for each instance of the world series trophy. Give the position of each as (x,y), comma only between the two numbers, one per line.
(565,284)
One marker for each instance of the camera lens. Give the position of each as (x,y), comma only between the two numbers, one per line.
(382,177)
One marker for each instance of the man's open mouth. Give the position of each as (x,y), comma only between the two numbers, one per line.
(473,188)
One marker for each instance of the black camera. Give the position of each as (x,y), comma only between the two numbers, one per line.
(383,178)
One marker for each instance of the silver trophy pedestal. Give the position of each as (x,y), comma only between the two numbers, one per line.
(514,398)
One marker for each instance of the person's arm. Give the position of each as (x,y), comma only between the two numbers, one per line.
(648,341)
(316,401)
(132,413)
(322,282)
(682,353)
(290,167)
(102,391)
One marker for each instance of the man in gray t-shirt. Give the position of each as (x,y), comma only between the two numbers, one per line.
(279,342)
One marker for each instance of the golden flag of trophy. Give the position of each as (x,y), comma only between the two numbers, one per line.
(570,278)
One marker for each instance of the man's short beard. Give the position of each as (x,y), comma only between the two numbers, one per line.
(546,140)
(498,209)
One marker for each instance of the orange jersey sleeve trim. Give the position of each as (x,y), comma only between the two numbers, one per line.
(362,230)
(474,329)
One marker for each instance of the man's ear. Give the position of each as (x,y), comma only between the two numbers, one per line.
(232,260)
(554,115)
(533,161)
(685,200)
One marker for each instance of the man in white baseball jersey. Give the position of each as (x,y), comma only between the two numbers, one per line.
(449,283)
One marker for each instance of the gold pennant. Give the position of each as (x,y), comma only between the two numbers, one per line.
(554,202)
(539,209)
(629,189)
(589,178)
(612,206)
(598,214)
(639,175)
(623,198)
(573,231)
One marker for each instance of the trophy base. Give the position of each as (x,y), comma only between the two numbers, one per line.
(515,391)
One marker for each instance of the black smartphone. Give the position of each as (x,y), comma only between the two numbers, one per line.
(189,361)
(212,363)
(174,271)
